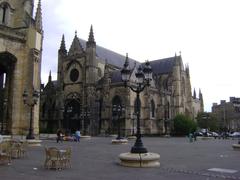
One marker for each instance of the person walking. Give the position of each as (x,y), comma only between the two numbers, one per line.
(59,136)
(77,135)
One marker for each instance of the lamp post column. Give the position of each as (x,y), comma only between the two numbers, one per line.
(138,146)
(139,156)
(30,133)
(31,104)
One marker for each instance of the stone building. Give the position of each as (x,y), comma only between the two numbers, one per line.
(21,38)
(89,84)
(228,114)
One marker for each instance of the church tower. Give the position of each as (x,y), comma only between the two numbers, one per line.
(91,58)
(177,85)
(21,37)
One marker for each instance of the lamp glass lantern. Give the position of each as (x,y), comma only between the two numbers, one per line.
(139,75)
(126,72)
(147,72)
(35,96)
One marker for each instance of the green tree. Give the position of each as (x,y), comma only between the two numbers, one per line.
(183,125)
(207,121)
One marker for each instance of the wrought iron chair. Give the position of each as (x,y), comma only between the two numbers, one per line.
(66,157)
(52,160)
(5,153)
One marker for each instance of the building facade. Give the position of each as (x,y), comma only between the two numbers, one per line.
(21,38)
(89,84)
(228,114)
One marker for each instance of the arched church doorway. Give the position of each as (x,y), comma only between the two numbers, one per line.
(72,112)
(7,65)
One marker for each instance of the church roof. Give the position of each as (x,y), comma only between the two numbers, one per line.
(163,66)
(112,57)
(159,66)
(116,77)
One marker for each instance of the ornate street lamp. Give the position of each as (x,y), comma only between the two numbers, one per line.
(144,77)
(118,109)
(31,103)
(85,119)
(69,111)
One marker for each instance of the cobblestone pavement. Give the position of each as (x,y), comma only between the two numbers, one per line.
(97,159)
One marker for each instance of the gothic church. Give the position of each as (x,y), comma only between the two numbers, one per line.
(89,84)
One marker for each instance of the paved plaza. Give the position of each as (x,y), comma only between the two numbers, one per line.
(97,159)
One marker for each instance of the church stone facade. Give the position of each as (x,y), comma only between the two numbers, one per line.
(89,84)
(21,38)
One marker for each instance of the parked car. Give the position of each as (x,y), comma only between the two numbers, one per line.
(215,135)
(197,133)
(235,135)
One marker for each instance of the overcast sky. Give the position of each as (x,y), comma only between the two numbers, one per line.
(206,32)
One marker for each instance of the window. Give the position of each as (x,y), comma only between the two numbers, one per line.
(167,111)
(152,109)
(3,80)
(74,75)
(4,13)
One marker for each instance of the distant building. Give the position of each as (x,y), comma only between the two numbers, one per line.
(89,84)
(228,113)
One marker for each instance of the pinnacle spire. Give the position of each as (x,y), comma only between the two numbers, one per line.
(126,60)
(63,46)
(187,70)
(200,94)
(38,17)
(50,77)
(91,42)
(194,94)
(106,71)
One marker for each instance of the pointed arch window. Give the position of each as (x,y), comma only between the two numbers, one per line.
(167,111)
(4,13)
(152,109)
(2,80)
(116,101)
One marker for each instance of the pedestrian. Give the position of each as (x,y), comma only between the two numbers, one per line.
(59,136)
(77,135)
(190,136)
(195,136)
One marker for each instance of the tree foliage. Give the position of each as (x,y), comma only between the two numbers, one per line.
(184,125)
(207,121)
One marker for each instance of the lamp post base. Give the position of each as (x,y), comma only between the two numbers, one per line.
(33,142)
(143,160)
(138,146)
(138,150)
(236,146)
(119,141)
(30,136)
